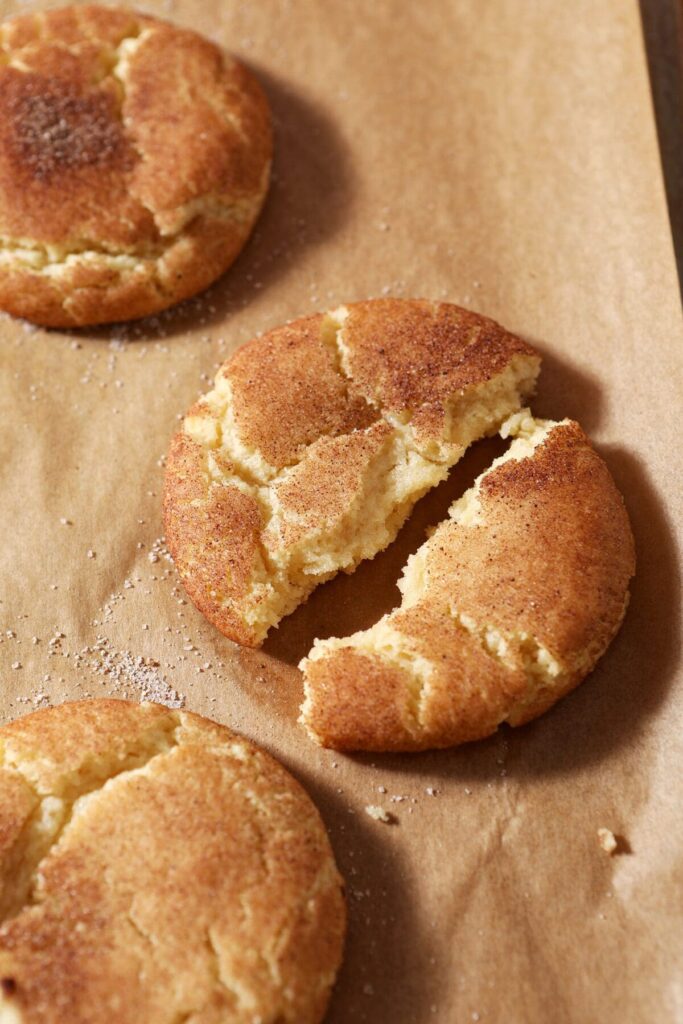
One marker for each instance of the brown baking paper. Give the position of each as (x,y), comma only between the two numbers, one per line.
(501,155)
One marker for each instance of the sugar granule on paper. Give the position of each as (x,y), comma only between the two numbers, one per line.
(607,840)
(378,813)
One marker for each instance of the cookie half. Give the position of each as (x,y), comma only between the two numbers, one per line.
(156,867)
(505,609)
(317,440)
(134,160)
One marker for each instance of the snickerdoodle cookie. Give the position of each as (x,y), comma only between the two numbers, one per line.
(317,440)
(505,608)
(155,867)
(134,160)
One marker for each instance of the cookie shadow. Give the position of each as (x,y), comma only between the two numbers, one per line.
(311,192)
(608,710)
(382,975)
(564,390)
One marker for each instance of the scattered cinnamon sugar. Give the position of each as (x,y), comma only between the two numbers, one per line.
(123,669)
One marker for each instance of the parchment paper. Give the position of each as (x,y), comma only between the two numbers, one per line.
(502,155)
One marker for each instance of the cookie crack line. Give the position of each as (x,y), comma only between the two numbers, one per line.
(48,823)
(265,475)
(540,667)
(251,480)
(333,338)
(40,19)
(326,875)
(44,258)
(152,945)
(226,439)
(238,993)
(288,580)
(402,422)
(207,204)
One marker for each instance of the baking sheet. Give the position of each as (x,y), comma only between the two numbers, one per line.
(500,155)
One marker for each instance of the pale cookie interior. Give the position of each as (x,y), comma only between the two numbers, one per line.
(343,497)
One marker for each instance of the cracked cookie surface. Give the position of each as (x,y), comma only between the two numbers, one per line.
(317,440)
(156,867)
(505,608)
(134,160)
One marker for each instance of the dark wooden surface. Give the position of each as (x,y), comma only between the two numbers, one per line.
(663,32)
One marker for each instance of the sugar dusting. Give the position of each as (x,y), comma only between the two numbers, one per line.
(125,671)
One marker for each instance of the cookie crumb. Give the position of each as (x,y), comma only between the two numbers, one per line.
(379,814)
(607,840)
